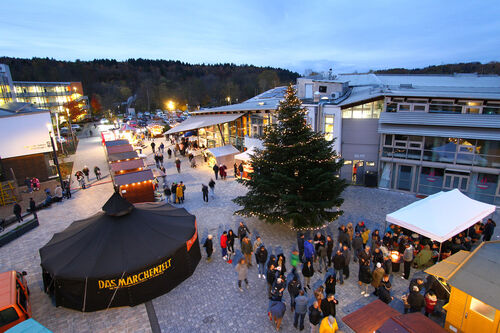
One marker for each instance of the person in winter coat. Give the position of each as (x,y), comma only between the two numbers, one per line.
(204,191)
(365,277)
(294,259)
(97,172)
(377,275)
(347,255)
(211,185)
(32,208)
(178,165)
(308,250)
(357,246)
(489,229)
(294,287)
(415,300)
(338,266)
(168,194)
(230,244)
(360,227)
(300,310)
(365,235)
(257,244)
(322,255)
(221,171)
(329,249)
(173,189)
(270,278)
(235,167)
(384,290)
(242,270)
(350,231)
(86,172)
(209,247)
(169,153)
(153,146)
(377,256)
(247,250)
(344,236)
(179,192)
(317,240)
(223,245)
(17,212)
(216,171)
(307,272)
(277,311)
(242,231)
(261,258)
(328,325)
(314,316)
(300,244)
(430,302)
(387,265)
(365,256)
(330,285)
(328,306)
(281,263)
(407,260)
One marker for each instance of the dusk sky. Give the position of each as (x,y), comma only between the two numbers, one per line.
(345,35)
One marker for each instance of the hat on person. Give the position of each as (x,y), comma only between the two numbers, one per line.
(379,265)
(415,288)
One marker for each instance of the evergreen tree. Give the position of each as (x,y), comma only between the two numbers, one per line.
(294,179)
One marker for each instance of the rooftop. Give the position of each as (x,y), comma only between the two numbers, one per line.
(17,108)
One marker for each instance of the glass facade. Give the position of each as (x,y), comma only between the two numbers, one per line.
(425,178)
(50,96)
(232,133)
(367,110)
(451,106)
(328,130)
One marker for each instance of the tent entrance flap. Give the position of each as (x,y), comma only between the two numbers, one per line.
(196,122)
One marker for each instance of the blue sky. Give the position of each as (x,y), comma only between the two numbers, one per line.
(346,35)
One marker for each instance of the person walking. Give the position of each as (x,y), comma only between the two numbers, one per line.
(377,275)
(242,231)
(261,258)
(300,310)
(178,165)
(86,172)
(211,185)
(204,190)
(235,170)
(247,250)
(346,252)
(242,270)
(181,188)
(314,316)
(489,229)
(322,254)
(32,207)
(209,247)
(230,245)
(330,284)
(97,172)
(329,249)
(328,325)
(168,193)
(162,146)
(17,212)
(407,260)
(240,169)
(300,245)
(294,287)
(357,245)
(223,245)
(338,266)
(153,146)
(173,189)
(277,310)
(169,153)
(308,250)
(384,290)
(365,277)
(307,272)
(328,306)
(216,171)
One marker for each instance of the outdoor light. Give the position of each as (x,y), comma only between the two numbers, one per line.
(395,256)
(49,127)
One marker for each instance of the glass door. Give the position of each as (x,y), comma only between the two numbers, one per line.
(405,177)
(456,180)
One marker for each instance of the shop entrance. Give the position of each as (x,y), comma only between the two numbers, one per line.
(456,179)
(404,179)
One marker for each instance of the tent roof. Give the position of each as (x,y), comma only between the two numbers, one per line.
(444,268)
(117,205)
(126,127)
(103,245)
(245,156)
(441,215)
(369,317)
(478,275)
(195,122)
(134,177)
(223,151)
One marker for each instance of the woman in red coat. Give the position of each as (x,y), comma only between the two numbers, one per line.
(223,245)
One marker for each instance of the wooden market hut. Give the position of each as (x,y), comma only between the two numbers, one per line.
(474,304)
(129,155)
(116,143)
(119,149)
(136,186)
(135,165)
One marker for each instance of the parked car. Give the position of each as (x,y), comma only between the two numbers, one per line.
(76,127)
(15,305)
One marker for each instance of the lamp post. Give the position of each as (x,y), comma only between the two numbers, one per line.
(56,162)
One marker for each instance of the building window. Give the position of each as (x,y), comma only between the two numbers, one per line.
(322,89)
(329,127)
(431,180)
(370,164)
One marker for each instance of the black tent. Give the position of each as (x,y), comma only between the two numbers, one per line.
(126,255)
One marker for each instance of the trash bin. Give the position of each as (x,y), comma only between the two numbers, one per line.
(371,178)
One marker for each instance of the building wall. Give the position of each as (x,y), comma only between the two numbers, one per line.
(6,87)
(36,165)
(360,142)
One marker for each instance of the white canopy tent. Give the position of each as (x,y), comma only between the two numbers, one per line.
(441,215)
(245,156)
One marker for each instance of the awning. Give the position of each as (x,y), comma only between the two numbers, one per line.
(245,156)
(444,268)
(223,151)
(195,122)
(441,215)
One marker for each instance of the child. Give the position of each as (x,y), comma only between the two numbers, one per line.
(430,303)
(223,245)
(209,247)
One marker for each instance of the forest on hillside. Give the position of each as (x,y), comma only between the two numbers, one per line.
(154,82)
(492,67)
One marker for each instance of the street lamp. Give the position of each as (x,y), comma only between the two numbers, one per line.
(56,162)
(228,99)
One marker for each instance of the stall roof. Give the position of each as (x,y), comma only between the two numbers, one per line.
(445,267)
(127,165)
(411,323)
(223,151)
(134,177)
(370,317)
(119,149)
(116,143)
(122,156)
(441,215)
(29,326)
(245,156)
(195,122)
(478,275)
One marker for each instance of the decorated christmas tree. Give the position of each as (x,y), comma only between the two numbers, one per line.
(295,179)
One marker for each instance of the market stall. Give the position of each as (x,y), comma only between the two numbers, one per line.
(124,256)
(136,186)
(156,130)
(221,155)
(116,149)
(129,155)
(245,160)
(127,166)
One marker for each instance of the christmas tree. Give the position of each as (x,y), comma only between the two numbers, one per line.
(295,176)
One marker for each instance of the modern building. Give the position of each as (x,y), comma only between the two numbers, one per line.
(43,95)
(411,133)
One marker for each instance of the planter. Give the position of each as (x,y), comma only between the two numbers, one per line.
(18,232)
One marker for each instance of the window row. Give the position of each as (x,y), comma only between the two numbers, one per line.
(367,110)
(436,106)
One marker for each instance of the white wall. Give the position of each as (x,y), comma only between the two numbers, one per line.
(24,135)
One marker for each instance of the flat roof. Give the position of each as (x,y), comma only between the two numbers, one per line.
(122,156)
(127,165)
(370,317)
(134,177)
(119,149)
(115,143)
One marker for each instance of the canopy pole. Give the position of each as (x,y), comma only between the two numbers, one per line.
(113,297)
(385,226)
(85,295)
(439,254)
